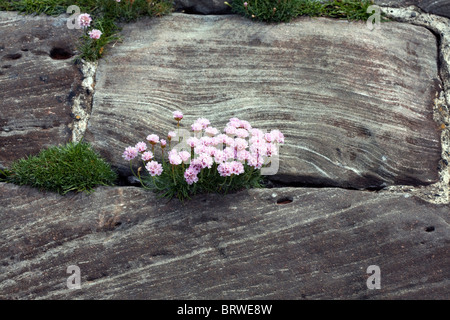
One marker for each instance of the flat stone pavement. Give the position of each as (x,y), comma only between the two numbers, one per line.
(287,243)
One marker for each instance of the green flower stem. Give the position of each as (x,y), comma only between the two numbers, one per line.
(132,171)
(155,184)
(229,184)
(142,183)
(222,184)
(173,175)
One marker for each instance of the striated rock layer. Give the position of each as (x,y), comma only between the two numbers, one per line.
(38,81)
(355,105)
(289,243)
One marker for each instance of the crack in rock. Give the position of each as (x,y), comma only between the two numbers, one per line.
(82,103)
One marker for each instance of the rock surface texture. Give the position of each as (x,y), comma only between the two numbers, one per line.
(355,105)
(289,243)
(38,80)
(359,109)
(439,7)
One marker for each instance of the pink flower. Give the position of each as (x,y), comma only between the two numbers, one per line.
(271,149)
(153,139)
(220,156)
(163,143)
(196,127)
(258,148)
(95,34)
(84,20)
(256,132)
(193,142)
(171,135)
(237,167)
(268,136)
(130,153)
(190,175)
(257,139)
(229,152)
(243,155)
(245,4)
(245,124)
(240,144)
(229,141)
(222,138)
(154,168)
(203,122)
(224,169)
(196,165)
(234,122)
(242,133)
(278,136)
(210,131)
(215,141)
(177,115)
(230,130)
(174,158)
(211,151)
(206,141)
(147,156)
(200,149)
(205,160)
(141,146)
(184,155)
(256,162)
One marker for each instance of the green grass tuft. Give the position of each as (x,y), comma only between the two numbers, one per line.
(286,10)
(71,167)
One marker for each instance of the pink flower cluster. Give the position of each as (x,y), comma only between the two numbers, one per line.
(84,20)
(229,150)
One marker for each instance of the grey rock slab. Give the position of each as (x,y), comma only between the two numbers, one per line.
(202,6)
(355,105)
(37,80)
(288,243)
(439,7)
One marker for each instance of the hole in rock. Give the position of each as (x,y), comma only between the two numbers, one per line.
(6,66)
(429,229)
(285,200)
(60,53)
(12,56)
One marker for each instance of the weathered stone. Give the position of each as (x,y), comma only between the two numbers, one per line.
(202,6)
(288,243)
(439,7)
(37,83)
(355,105)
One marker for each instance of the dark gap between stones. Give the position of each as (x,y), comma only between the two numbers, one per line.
(131,181)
